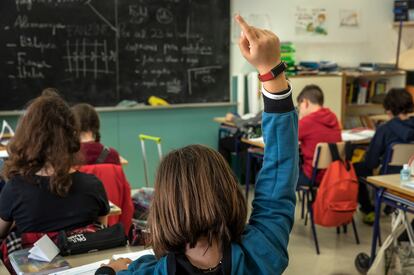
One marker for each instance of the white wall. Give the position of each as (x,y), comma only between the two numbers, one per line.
(374,41)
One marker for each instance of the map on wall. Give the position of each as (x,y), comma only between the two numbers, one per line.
(311,21)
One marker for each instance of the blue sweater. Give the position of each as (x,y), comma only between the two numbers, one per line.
(263,248)
(394,131)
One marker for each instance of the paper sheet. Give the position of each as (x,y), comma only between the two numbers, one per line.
(90,269)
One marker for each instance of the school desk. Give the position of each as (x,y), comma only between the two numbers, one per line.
(114,210)
(87,258)
(3,269)
(347,135)
(222,120)
(390,191)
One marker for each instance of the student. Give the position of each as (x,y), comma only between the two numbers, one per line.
(44,193)
(198,216)
(227,144)
(398,103)
(93,151)
(316,124)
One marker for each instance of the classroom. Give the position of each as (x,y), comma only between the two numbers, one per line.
(207,137)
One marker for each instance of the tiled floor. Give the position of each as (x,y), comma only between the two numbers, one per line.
(338,252)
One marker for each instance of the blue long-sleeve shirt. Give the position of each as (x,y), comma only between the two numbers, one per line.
(263,247)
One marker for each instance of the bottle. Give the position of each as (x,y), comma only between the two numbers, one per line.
(405,173)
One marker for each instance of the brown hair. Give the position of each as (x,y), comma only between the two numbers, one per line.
(88,119)
(46,135)
(196,195)
(313,93)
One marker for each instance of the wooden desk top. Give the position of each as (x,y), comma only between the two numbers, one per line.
(222,120)
(114,210)
(392,183)
(257,142)
(3,269)
(123,161)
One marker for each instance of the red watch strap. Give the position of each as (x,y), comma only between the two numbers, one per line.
(273,73)
(266,77)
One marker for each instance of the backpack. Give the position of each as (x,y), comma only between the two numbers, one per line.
(337,196)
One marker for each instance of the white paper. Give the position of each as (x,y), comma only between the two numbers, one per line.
(134,255)
(5,127)
(4,154)
(350,135)
(90,269)
(44,250)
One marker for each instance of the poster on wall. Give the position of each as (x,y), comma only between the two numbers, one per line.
(311,21)
(349,18)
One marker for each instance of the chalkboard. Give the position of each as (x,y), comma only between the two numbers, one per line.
(105,51)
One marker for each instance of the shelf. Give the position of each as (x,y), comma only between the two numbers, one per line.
(374,74)
(366,105)
(405,24)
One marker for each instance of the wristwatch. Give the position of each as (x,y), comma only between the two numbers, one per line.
(273,73)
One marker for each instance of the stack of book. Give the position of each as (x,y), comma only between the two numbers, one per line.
(361,91)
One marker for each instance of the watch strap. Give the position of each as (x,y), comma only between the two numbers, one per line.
(273,73)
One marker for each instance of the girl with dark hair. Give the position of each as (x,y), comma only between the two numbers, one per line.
(44,192)
(93,151)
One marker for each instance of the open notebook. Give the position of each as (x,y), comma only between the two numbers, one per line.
(90,269)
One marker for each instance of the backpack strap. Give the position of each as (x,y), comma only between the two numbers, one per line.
(102,156)
(348,151)
(335,154)
(334,151)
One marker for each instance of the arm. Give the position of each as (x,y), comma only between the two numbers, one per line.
(103,220)
(4,228)
(376,150)
(274,204)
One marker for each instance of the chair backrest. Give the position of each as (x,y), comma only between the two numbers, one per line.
(117,189)
(322,157)
(398,154)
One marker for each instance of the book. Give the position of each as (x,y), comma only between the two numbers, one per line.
(23,265)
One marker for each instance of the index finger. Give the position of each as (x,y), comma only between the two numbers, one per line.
(247,30)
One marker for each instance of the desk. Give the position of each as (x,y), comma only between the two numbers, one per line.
(3,269)
(347,135)
(82,259)
(123,161)
(114,210)
(389,191)
(222,120)
(257,142)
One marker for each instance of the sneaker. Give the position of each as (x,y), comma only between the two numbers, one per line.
(369,218)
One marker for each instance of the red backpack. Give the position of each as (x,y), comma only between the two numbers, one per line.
(337,196)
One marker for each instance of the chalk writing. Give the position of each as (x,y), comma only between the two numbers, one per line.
(84,57)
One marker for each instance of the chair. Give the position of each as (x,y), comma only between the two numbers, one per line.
(397,154)
(117,189)
(321,160)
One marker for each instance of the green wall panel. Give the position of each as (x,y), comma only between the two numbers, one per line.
(177,127)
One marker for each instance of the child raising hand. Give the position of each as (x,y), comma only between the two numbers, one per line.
(197,219)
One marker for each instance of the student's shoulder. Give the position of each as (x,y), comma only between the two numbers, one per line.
(85,180)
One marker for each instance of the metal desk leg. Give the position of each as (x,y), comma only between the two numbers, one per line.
(376,228)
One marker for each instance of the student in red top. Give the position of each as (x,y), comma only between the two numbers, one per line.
(93,151)
(316,124)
